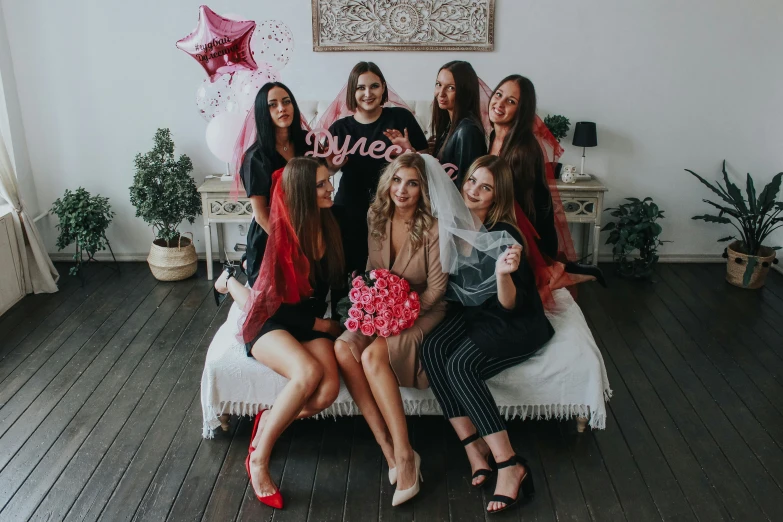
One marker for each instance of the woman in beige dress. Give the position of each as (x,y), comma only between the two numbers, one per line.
(403,238)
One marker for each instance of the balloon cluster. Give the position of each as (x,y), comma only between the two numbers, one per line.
(239,57)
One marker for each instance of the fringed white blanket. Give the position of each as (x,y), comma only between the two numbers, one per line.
(566,378)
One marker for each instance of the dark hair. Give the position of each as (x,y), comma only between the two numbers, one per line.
(467,103)
(310,222)
(353,78)
(521,148)
(265,128)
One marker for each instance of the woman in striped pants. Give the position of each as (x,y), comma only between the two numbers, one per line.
(475,343)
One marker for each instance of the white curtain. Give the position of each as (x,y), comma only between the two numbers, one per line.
(38,272)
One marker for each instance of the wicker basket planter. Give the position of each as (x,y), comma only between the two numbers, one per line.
(173,263)
(738,262)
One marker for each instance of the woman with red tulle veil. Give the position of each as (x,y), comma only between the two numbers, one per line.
(282,324)
(522,139)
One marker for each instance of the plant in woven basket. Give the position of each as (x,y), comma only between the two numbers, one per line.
(558,125)
(163,191)
(635,230)
(83,221)
(754,217)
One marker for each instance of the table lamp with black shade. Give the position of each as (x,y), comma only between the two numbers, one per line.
(584,136)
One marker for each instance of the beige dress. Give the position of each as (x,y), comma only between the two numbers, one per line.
(423,272)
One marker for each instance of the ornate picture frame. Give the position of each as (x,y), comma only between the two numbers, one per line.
(403,25)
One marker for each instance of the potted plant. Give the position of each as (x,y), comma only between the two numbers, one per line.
(635,230)
(558,125)
(755,218)
(164,194)
(83,221)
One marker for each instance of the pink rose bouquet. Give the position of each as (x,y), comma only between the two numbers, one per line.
(379,303)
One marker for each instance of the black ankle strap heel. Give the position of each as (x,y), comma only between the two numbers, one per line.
(526,490)
(486,473)
(230,269)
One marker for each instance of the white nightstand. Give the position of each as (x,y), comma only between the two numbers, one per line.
(583,202)
(217,206)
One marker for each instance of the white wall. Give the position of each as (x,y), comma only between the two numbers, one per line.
(671,84)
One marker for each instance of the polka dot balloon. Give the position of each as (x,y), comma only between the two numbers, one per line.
(272,42)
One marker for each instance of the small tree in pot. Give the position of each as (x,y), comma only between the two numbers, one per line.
(755,218)
(84,219)
(164,194)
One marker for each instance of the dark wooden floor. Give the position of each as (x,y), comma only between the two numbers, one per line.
(100,415)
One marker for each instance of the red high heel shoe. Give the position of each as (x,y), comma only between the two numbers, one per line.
(274,500)
(253,434)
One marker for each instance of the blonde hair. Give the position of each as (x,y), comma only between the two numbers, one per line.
(382,208)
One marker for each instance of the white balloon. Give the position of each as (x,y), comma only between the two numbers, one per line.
(216,98)
(272,42)
(222,133)
(246,84)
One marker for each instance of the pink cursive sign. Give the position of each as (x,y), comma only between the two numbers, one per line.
(377,149)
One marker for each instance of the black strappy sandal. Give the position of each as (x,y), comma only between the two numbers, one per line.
(229,268)
(526,490)
(486,473)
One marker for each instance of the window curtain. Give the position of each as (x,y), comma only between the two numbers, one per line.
(38,272)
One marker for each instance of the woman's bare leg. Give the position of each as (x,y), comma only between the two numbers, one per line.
(238,291)
(326,392)
(359,388)
(283,354)
(386,391)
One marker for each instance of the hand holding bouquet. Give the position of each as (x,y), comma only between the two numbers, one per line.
(381,303)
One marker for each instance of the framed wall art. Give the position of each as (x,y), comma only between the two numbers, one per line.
(403,25)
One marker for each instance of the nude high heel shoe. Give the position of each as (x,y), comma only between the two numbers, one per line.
(403,495)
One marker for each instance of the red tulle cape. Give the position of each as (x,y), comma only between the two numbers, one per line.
(284,276)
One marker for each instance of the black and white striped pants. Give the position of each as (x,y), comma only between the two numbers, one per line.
(457,371)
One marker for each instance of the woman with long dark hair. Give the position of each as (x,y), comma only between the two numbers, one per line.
(512,113)
(282,324)
(456,118)
(279,137)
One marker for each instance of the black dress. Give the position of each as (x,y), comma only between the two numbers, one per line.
(466,144)
(256,174)
(298,319)
(504,333)
(360,176)
(544,220)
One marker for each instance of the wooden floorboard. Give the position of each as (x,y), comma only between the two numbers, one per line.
(100,415)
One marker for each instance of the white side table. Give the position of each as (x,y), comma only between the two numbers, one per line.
(217,206)
(583,202)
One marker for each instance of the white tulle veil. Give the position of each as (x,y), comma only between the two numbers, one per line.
(468,252)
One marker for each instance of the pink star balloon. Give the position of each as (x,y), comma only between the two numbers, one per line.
(220,45)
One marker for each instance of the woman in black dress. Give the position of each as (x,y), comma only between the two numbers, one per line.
(512,113)
(365,97)
(280,138)
(282,323)
(456,118)
(475,343)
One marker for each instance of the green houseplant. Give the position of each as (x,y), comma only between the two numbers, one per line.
(83,221)
(558,125)
(754,218)
(164,194)
(635,230)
